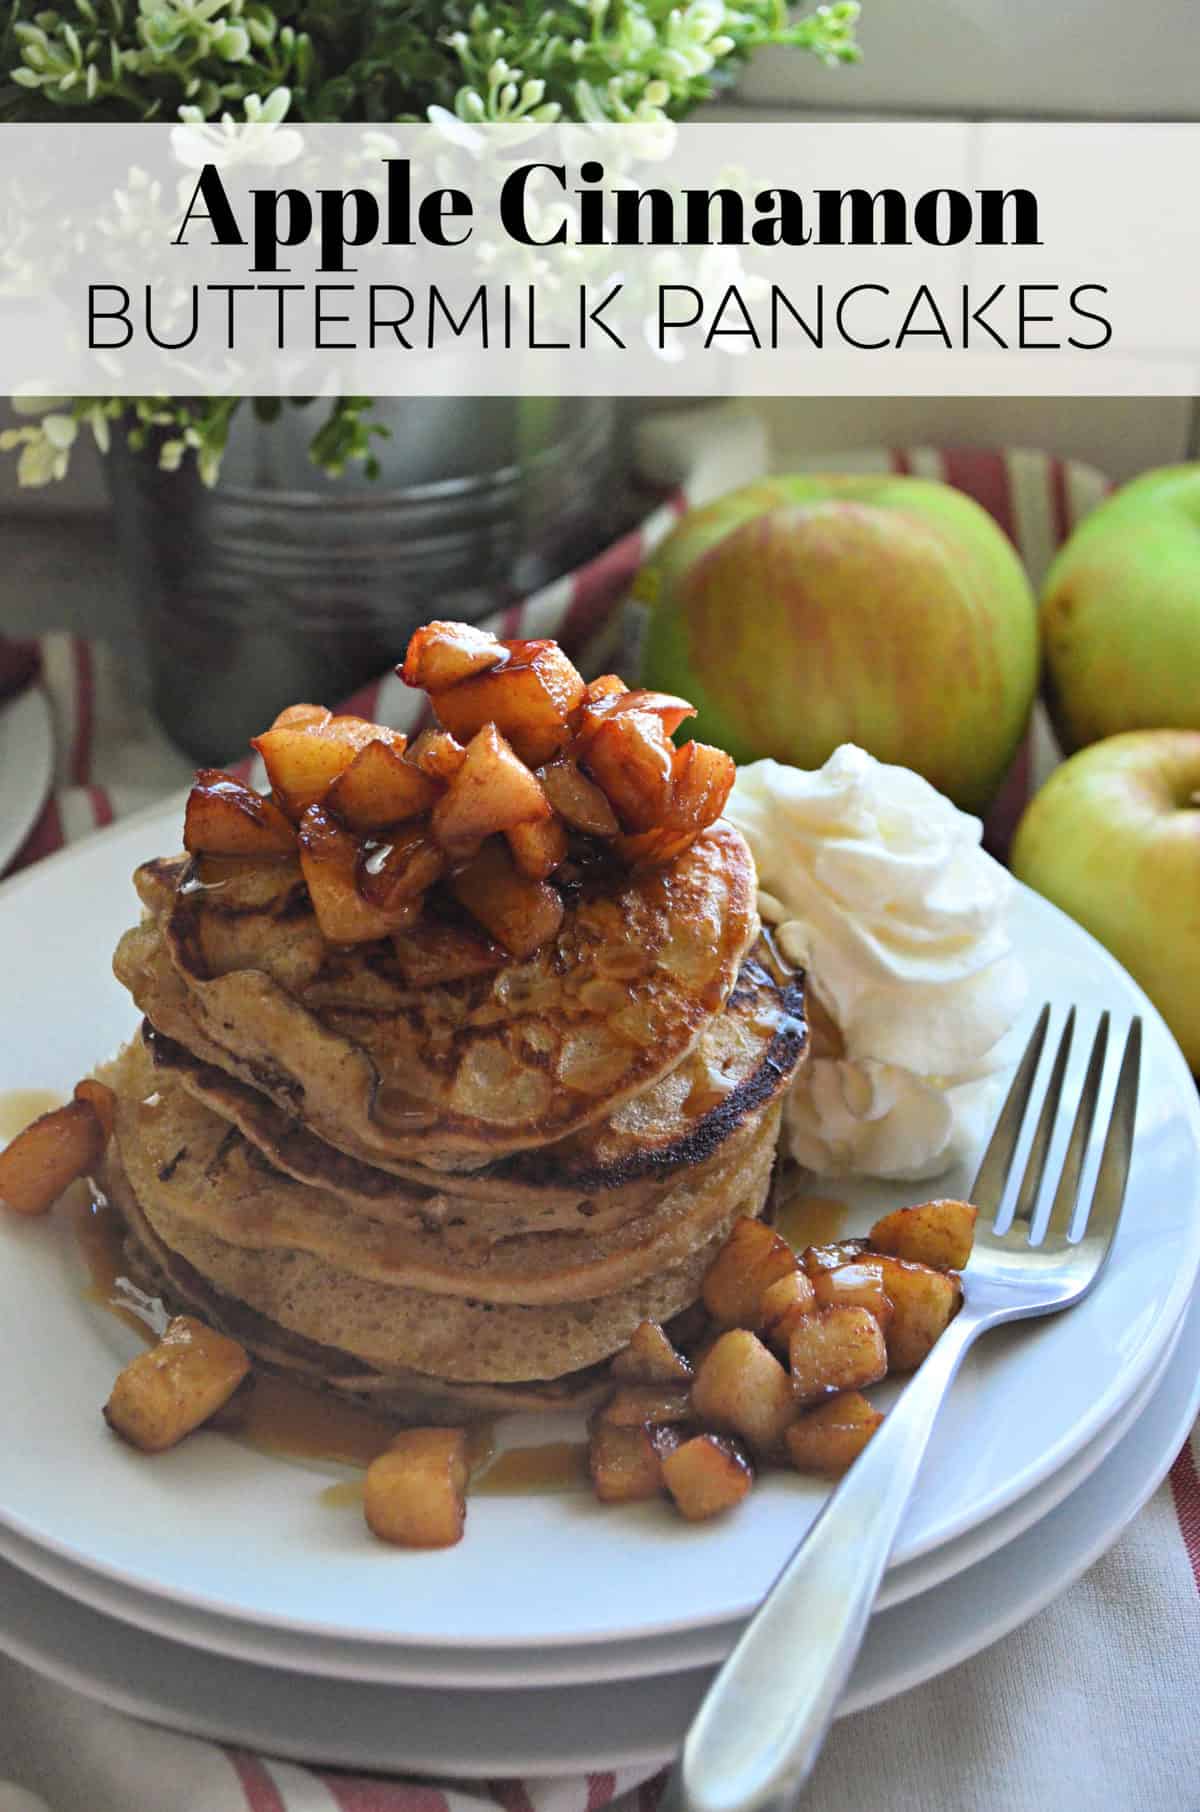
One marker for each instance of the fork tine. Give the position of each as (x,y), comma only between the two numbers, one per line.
(988,1190)
(1067,1193)
(1109,1193)
(1035,1168)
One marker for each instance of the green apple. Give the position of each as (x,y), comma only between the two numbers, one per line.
(802,612)
(1114,839)
(1120,613)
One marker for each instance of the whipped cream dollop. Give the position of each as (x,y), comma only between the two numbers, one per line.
(877,885)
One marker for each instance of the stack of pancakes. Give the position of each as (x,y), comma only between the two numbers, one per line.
(428,1175)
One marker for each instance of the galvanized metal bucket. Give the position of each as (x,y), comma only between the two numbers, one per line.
(279,585)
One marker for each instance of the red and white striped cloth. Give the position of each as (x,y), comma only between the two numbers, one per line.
(1091,1706)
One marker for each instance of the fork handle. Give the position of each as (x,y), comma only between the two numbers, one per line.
(762,1724)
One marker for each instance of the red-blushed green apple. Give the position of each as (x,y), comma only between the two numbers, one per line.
(1114,839)
(799,613)
(1120,613)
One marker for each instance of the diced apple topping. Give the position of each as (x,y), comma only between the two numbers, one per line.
(780,1349)
(538,848)
(626,1462)
(415,1492)
(830,1437)
(380,788)
(836,1349)
(940,1234)
(701,781)
(706,1476)
(630,757)
(742,1389)
(442,654)
(399,867)
(54,1149)
(520,913)
(486,805)
(616,700)
(492,791)
(858,1285)
(165,1393)
(225,817)
(784,1303)
(531,700)
(578,801)
(304,759)
(437,754)
(651,1358)
(752,1257)
(329,859)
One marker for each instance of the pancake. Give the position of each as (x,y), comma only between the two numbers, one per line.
(185,1162)
(461,1339)
(598,1177)
(469,1070)
(422,1172)
(394,1396)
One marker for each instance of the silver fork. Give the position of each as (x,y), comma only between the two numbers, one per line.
(759,1731)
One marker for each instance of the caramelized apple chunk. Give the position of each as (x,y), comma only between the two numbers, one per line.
(630,757)
(520,913)
(829,1438)
(924,1303)
(165,1393)
(531,700)
(492,791)
(816,1259)
(398,867)
(49,1154)
(415,1492)
(939,1234)
(329,861)
(752,1257)
(834,1350)
(578,801)
(860,1285)
(626,1463)
(431,953)
(608,685)
(437,754)
(303,759)
(380,788)
(783,1304)
(742,1389)
(538,848)
(224,817)
(442,654)
(706,1476)
(701,781)
(650,1358)
(292,715)
(102,1101)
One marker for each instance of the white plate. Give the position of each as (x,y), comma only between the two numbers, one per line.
(623,1724)
(220,1528)
(518,1669)
(26,765)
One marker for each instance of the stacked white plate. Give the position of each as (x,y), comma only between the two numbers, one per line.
(221,1592)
